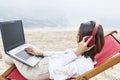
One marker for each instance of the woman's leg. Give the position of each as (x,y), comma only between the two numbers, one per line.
(7,59)
(39,72)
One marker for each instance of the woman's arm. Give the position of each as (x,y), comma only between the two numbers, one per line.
(64,66)
(82,47)
(38,52)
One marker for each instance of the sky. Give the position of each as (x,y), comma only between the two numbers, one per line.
(61,13)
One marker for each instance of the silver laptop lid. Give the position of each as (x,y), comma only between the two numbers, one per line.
(12,34)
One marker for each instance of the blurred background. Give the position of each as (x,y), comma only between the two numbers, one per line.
(61,14)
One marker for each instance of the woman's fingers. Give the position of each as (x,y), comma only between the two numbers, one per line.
(88,39)
(84,38)
(89,48)
(29,50)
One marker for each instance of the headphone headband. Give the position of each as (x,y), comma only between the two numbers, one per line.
(95,30)
(92,42)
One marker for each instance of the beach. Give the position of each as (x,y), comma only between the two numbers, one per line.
(60,41)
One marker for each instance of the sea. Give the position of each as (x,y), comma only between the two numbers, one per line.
(60,25)
(63,28)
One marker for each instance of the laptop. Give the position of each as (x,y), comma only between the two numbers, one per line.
(14,42)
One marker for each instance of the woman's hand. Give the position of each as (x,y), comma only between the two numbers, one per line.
(34,51)
(82,46)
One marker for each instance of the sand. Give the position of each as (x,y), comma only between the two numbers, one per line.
(60,41)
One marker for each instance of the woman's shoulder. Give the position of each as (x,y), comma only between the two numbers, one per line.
(85,60)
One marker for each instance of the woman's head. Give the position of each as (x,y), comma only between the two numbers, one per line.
(86,29)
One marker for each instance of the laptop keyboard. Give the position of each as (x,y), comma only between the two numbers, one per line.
(23,55)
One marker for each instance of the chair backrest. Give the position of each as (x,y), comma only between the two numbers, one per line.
(110,48)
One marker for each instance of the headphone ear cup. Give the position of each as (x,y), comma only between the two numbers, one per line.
(92,42)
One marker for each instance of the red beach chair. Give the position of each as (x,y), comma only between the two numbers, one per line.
(108,57)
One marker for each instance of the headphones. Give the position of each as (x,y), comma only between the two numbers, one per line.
(92,42)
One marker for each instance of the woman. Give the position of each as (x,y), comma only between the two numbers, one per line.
(70,63)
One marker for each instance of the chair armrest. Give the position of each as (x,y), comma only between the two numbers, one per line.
(109,63)
(1,78)
(8,71)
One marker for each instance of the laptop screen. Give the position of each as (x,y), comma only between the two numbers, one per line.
(12,34)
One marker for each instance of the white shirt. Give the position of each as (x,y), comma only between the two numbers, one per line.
(63,65)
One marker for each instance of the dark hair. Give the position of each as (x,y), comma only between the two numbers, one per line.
(86,29)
